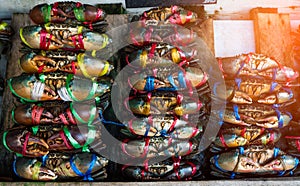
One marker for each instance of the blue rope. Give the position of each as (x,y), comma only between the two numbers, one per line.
(181,79)
(44,159)
(87,175)
(218,166)
(276,151)
(238,82)
(281,173)
(221,118)
(108,122)
(236,112)
(273,85)
(147,130)
(242,65)
(14,168)
(241,150)
(149,83)
(280,119)
(171,80)
(164,133)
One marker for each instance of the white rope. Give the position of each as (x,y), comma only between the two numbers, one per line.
(38,90)
(63,94)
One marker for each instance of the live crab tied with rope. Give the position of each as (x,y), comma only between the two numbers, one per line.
(58,36)
(64,86)
(171,103)
(85,64)
(259,91)
(58,86)
(62,166)
(42,139)
(168,102)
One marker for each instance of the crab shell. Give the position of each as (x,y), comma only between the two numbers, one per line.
(82,135)
(58,166)
(237,163)
(157,147)
(163,126)
(271,121)
(173,14)
(170,105)
(190,78)
(82,161)
(254,92)
(31,36)
(80,89)
(177,36)
(22,141)
(256,65)
(22,86)
(84,65)
(231,140)
(44,13)
(32,169)
(164,55)
(165,170)
(74,113)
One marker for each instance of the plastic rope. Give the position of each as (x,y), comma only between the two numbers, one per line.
(87,174)
(93,110)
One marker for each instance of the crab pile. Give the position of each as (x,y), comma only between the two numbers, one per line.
(6,32)
(290,136)
(64,85)
(166,109)
(259,95)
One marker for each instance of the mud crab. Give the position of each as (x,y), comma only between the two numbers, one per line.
(258,66)
(165,103)
(61,166)
(167,126)
(80,64)
(156,147)
(160,55)
(254,160)
(261,115)
(230,137)
(59,12)
(55,113)
(188,79)
(175,168)
(248,91)
(57,86)
(36,142)
(60,36)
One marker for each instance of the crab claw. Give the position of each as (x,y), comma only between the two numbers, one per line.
(32,169)
(29,87)
(233,161)
(282,163)
(33,63)
(21,141)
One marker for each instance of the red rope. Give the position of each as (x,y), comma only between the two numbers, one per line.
(70,116)
(130,127)
(54,9)
(44,42)
(41,68)
(73,67)
(25,143)
(36,114)
(63,119)
(64,138)
(223,140)
(146,148)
